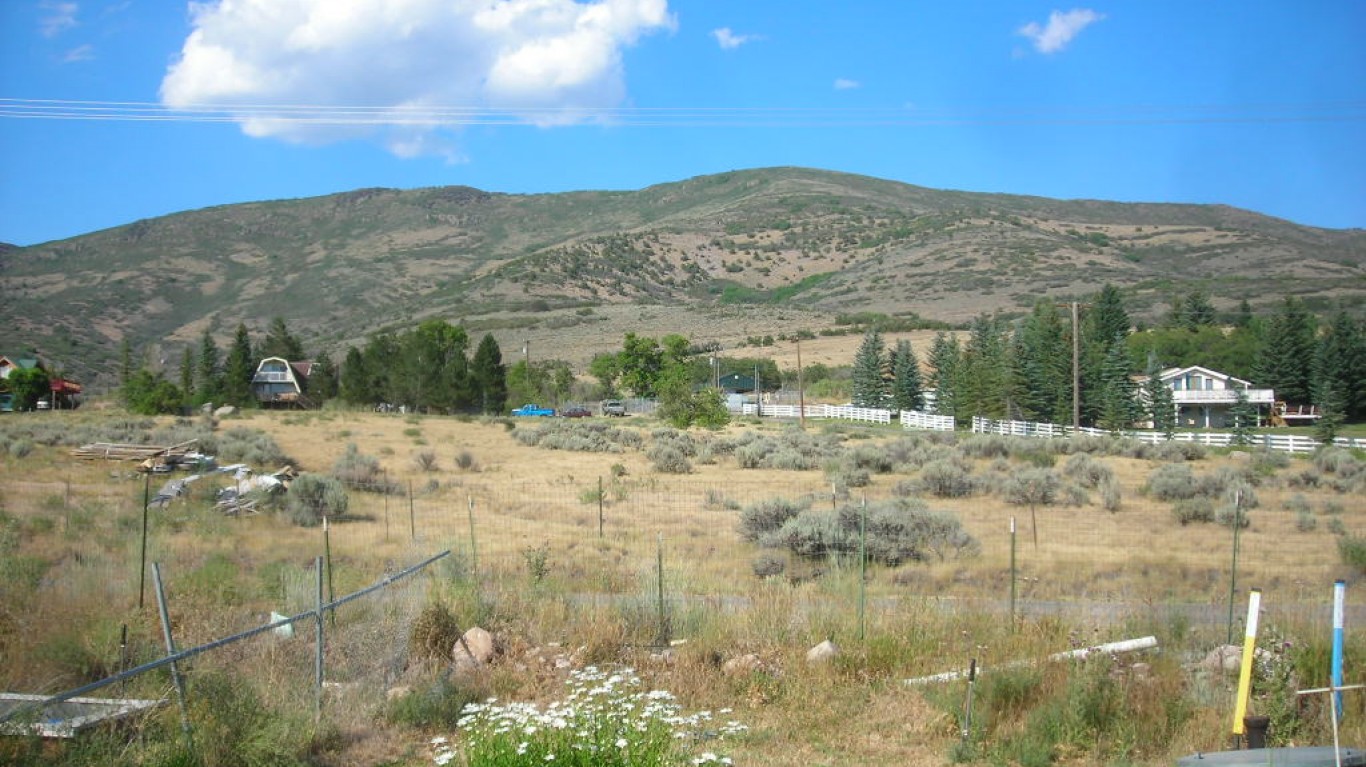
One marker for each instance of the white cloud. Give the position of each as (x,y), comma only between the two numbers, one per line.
(419,67)
(729,40)
(58,17)
(845,84)
(1060,30)
(79,53)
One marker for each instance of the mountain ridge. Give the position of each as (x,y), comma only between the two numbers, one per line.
(811,243)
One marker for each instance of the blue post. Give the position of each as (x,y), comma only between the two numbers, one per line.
(1339,600)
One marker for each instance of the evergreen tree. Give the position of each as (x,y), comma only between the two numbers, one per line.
(1340,366)
(433,367)
(1244,417)
(1161,403)
(281,343)
(238,369)
(1285,362)
(1197,310)
(322,381)
(355,380)
(1243,318)
(208,373)
(1118,403)
(1042,365)
(869,387)
(946,356)
(488,375)
(187,374)
(907,388)
(1107,322)
(983,387)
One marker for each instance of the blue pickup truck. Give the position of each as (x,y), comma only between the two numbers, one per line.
(534,410)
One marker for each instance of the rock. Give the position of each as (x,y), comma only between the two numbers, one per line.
(476,648)
(1239,456)
(225,411)
(742,664)
(395,693)
(823,653)
(1226,658)
(206,408)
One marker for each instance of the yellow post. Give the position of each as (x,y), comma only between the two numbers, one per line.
(1254,601)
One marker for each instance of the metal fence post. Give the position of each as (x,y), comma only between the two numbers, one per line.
(170,650)
(318,654)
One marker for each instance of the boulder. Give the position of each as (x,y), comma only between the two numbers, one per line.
(742,665)
(225,411)
(822,653)
(476,648)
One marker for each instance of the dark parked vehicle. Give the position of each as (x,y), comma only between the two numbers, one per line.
(575,411)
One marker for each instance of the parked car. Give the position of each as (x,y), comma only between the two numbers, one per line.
(534,410)
(613,407)
(575,411)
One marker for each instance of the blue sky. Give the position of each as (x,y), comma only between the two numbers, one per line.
(1260,105)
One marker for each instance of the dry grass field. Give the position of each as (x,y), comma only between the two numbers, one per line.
(539,561)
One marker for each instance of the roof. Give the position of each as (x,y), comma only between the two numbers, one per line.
(1171,373)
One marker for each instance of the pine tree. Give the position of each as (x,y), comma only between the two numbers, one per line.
(1107,323)
(238,369)
(1340,366)
(488,375)
(1042,364)
(208,374)
(355,381)
(946,356)
(187,374)
(907,388)
(1119,405)
(1197,311)
(281,343)
(1286,359)
(322,381)
(1161,403)
(984,382)
(869,387)
(1244,417)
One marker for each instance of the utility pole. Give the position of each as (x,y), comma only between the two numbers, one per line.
(801,390)
(1076,371)
(758,395)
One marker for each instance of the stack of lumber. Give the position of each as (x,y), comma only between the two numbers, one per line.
(114,451)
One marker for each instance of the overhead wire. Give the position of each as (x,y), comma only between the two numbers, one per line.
(349,115)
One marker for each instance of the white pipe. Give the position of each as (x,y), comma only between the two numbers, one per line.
(1127,645)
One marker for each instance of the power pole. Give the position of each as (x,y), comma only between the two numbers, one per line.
(1076,370)
(801,390)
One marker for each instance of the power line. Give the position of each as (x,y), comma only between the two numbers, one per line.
(326,115)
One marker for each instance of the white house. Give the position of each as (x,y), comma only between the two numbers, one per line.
(280,382)
(1204,397)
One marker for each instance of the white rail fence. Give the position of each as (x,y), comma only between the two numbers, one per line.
(1288,443)
(840,412)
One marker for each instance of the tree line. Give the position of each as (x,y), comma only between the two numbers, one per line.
(1030,368)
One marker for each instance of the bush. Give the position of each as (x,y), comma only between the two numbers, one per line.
(848,475)
(1229,515)
(895,532)
(947,479)
(668,459)
(767,516)
(1171,482)
(1087,471)
(437,704)
(766,565)
(355,469)
(1032,487)
(314,496)
(425,460)
(434,633)
(1190,510)
(1110,495)
(465,460)
(1305,522)
(1352,550)
(20,448)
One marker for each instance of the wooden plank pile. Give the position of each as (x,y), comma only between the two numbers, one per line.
(149,454)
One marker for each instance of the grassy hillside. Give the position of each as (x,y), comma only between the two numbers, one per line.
(571,271)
